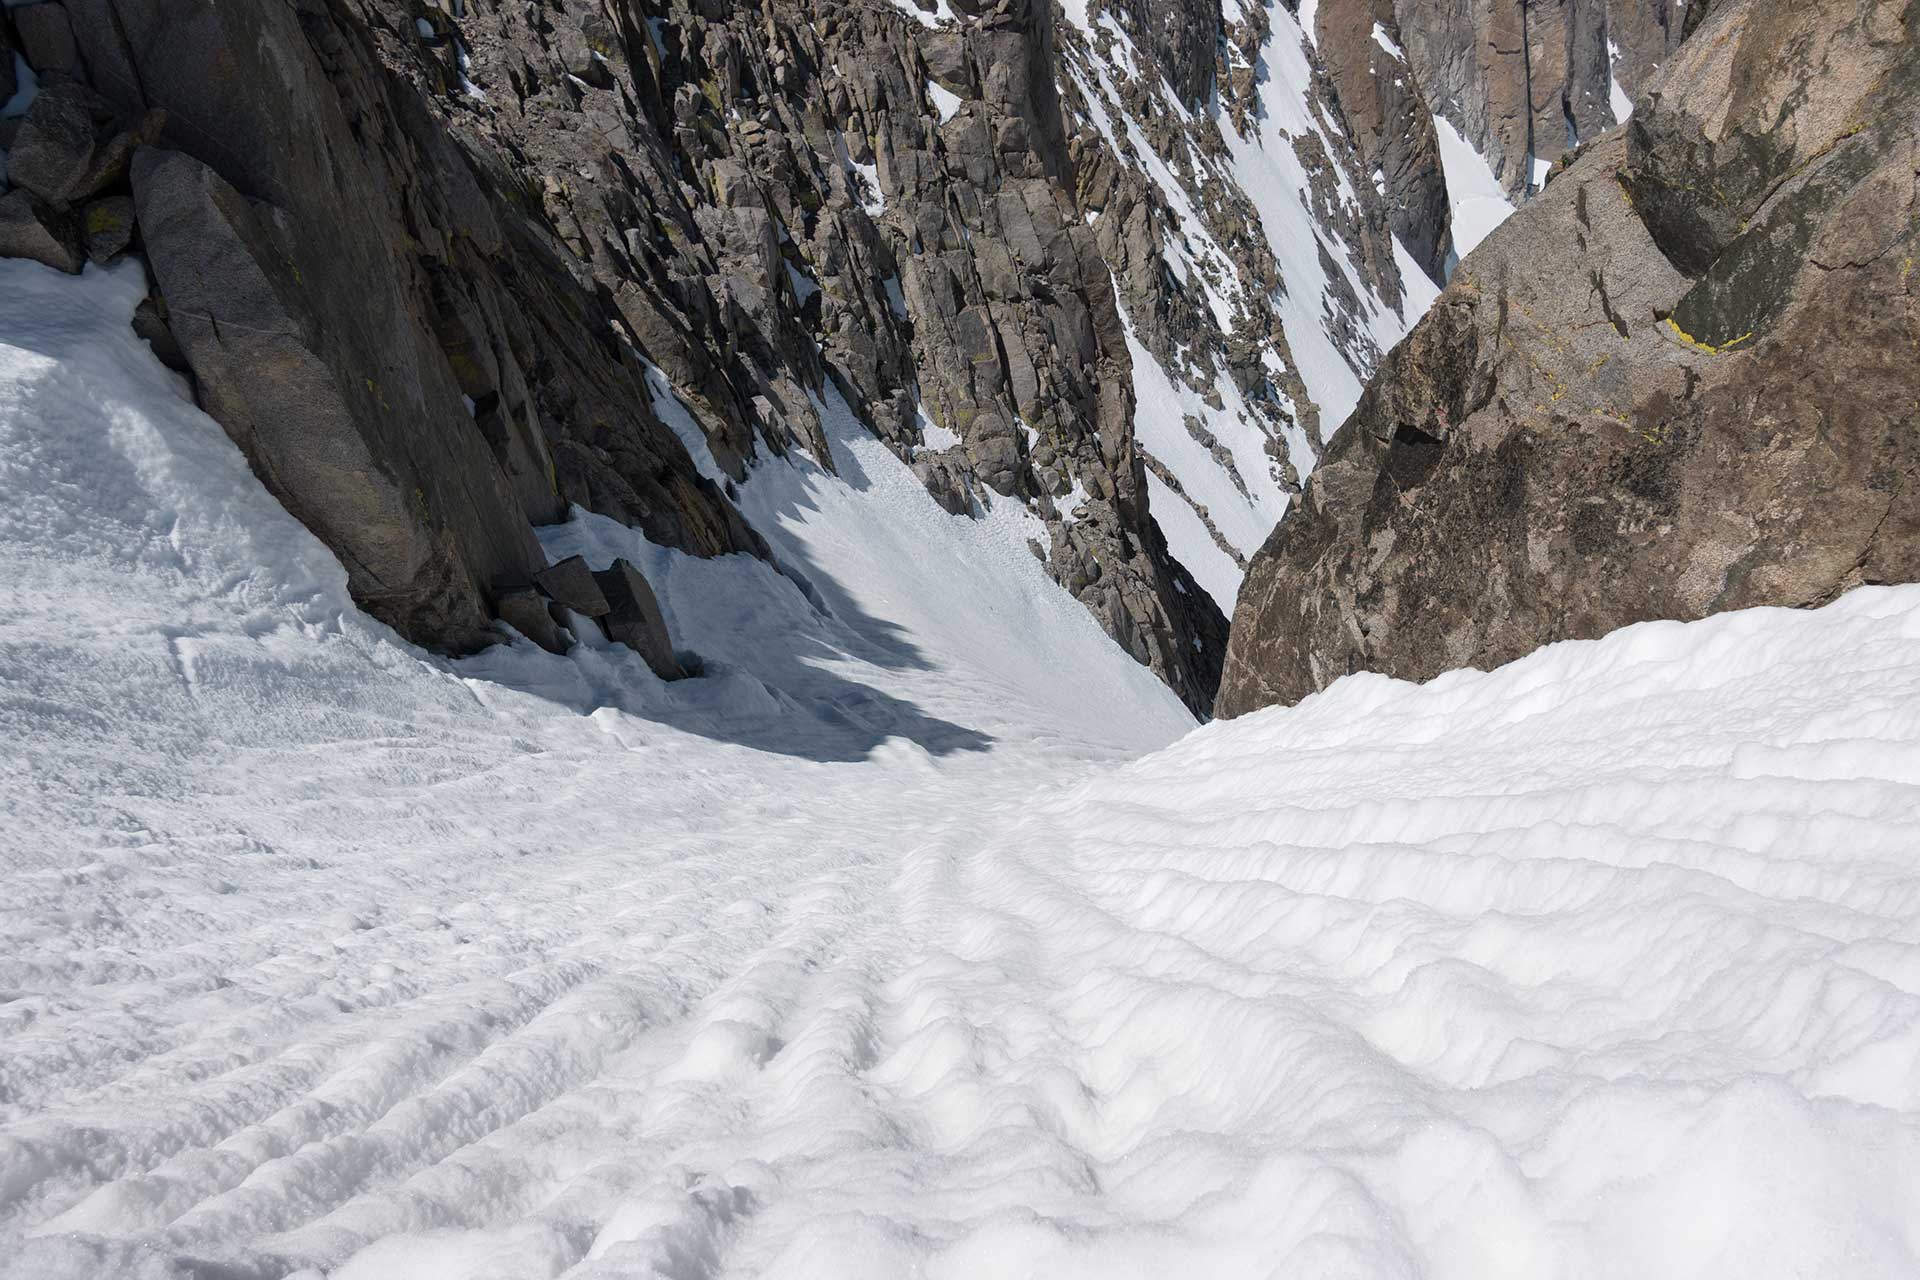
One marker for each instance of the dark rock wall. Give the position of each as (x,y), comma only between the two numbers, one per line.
(1683,380)
(1182,36)
(1520,81)
(1379,92)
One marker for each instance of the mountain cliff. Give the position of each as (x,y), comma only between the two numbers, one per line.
(1685,379)
(1433,87)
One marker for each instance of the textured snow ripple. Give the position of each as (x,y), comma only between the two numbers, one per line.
(319,957)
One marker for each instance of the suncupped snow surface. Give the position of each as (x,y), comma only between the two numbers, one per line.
(881,949)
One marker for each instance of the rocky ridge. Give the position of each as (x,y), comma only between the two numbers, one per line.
(1684,379)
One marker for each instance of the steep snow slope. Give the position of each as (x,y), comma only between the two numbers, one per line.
(293,912)
(1603,964)
(1269,168)
(865,955)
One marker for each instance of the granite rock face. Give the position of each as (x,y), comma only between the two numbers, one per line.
(1685,379)
(1392,127)
(46,38)
(1523,84)
(267,371)
(30,229)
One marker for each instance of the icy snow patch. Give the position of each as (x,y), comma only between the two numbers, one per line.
(1616,96)
(1478,202)
(803,284)
(1076,498)
(464,60)
(679,420)
(1418,289)
(942,12)
(946,103)
(932,434)
(873,198)
(1385,41)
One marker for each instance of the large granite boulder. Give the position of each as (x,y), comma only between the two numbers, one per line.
(57,152)
(634,618)
(1685,379)
(46,38)
(274,377)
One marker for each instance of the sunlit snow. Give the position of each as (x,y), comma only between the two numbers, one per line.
(912,938)
(1478,202)
(946,104)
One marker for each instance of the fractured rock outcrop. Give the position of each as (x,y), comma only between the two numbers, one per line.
(270,375)
(1379,92)
(1685,379)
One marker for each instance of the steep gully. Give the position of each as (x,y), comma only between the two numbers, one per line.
(446,271)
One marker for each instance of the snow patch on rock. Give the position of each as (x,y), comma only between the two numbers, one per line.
(1477,200)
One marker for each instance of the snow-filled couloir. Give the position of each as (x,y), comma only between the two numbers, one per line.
(912,938)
